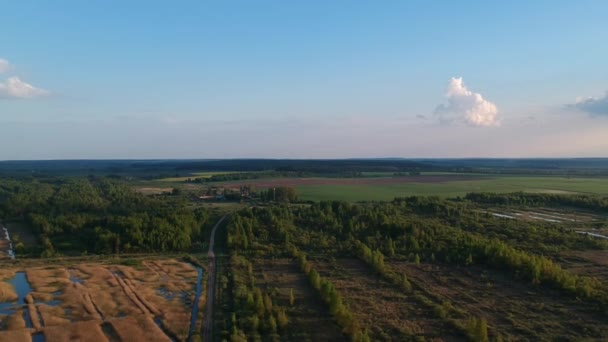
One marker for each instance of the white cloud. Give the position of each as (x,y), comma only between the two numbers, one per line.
(4,65)
(465,105)
(14,87)
(595,106)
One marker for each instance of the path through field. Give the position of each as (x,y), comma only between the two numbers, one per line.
(207,327)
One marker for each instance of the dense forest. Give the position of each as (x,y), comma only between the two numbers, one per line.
(535,200)
(236,176)
(99,215)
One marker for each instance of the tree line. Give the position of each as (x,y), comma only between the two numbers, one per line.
(100,215)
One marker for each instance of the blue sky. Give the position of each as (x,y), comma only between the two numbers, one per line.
(313,79)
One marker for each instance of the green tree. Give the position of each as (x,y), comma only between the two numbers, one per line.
(292,298)
(282,319)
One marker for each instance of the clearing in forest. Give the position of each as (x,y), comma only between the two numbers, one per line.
(309,316)
(511,307)
(386,312)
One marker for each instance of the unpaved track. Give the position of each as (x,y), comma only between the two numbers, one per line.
(208,326)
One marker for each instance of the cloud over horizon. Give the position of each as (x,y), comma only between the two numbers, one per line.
(595,106)
(4,65)
(465,105)
(297,138)
(15,88)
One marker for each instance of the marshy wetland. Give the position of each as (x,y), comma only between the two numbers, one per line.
(151,300)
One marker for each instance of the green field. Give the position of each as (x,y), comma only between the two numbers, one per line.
(387,192)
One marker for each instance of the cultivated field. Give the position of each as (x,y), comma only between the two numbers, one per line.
(151,301)
(384,186)
(443,185)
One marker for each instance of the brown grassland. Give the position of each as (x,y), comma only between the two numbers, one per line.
(149,301)
(387,312)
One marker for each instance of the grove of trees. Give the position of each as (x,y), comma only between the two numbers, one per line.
(99,215)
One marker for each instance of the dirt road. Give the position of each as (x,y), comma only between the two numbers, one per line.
(208,325)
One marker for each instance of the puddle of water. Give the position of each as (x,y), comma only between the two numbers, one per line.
(110,332)
(8,308)
(594,235)
(197,297)
(517,215)
(53,302)
(547,215)
(22,288)
(74,279)
(159,324)
(545,219)
(166,294)
(503,215)
(169,295)
(27,318)
(38,337)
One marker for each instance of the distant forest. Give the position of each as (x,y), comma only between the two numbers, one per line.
(169,168)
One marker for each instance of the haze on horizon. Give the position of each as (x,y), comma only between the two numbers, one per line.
(316,79)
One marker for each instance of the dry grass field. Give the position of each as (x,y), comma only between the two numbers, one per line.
(385,311)
(309,317)
(512,308)
(589,263)
(151,301)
